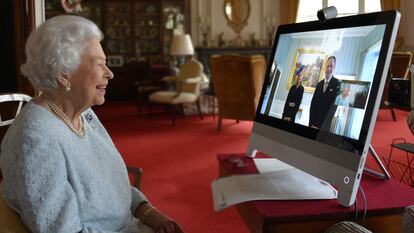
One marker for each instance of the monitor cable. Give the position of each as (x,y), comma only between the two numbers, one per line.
(365,207)
(356,209)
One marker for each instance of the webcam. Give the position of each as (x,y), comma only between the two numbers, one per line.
(327,13)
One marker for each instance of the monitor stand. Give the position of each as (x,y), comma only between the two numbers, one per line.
(384,175)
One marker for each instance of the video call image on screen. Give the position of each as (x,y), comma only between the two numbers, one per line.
(297,90)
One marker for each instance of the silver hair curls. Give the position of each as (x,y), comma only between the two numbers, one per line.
(55,48)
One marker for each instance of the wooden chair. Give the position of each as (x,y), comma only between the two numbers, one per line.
(408,219)
(237,82)
(399,68)
(352,227)
(187,84)
(10,106)
(347,227)
(149,82)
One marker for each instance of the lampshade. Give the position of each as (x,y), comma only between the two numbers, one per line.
(181,45)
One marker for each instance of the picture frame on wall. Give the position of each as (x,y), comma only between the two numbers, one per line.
(115,61)
(313,61)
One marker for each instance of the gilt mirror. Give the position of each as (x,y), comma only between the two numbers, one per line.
(237,13)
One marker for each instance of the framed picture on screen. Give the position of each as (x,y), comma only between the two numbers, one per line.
(313,62)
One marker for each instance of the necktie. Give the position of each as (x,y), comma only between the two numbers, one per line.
(325,85)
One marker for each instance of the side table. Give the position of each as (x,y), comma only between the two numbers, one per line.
(386,201)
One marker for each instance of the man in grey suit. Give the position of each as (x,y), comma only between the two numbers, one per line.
(322,108)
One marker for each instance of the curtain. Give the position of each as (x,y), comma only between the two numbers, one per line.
(390,5)
(289,10)
(393,5)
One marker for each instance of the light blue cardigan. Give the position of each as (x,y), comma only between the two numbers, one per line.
(59,182)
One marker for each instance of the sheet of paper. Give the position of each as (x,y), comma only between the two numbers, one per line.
(270,165)
(287,184)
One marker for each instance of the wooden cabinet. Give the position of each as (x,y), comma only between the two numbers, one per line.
(135,31)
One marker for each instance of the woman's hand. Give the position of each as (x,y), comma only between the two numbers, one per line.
(158,221)
(161,223)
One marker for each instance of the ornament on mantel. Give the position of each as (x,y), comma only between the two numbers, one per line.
(205,29)
(220,40)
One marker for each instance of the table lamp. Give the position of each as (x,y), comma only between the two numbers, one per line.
(181,46)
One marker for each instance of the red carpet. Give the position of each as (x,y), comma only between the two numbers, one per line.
(179,162)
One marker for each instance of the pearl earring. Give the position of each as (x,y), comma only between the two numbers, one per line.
(67,88)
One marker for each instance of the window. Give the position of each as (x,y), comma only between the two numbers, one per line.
(307,8)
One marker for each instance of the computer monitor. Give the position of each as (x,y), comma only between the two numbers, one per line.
(325,130)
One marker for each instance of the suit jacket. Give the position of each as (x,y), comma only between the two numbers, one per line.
(323,106)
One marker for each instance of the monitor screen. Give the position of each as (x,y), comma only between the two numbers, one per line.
(321,95)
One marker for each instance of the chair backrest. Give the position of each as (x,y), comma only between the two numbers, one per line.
(408,219)
(400,64)
(190,69)
(347,227)
(399,68)
(237,82)
(10,106)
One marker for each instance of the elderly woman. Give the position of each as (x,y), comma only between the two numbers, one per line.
(62,172)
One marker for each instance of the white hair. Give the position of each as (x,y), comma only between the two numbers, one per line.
(55,48)
(346,86)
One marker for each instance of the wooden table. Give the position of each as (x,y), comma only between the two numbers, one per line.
(386,201)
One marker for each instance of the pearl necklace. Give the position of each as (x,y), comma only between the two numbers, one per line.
(81,132)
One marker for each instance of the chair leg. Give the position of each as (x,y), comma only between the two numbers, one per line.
(139,106)
(219,124)
(173,112)
(182,109)
(199,109)
(213,106)
(393,115)
(150,103)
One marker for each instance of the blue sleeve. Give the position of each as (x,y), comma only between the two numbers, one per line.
(137,198)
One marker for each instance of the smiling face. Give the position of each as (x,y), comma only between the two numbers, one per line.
(345,92)
(89,81)
(330,67)
(299,78)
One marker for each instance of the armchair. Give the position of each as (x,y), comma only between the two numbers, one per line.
(237,82)
(187,85)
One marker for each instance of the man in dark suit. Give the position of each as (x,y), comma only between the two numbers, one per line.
(322,108)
